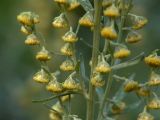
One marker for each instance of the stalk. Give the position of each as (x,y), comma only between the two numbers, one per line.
(96,39)
(113,62)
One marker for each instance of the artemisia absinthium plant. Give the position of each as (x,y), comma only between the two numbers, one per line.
(107,20)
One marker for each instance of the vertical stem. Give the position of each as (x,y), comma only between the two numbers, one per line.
(113,62)
(96,39)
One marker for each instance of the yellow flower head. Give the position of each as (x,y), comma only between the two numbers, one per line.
(154,79)
(103,66)
(122,53)
(143,91)
(67,49)
(87,20)
(145,116)
(43,55)
(152,60)
(28,18)
(73,4)
(71,84)
(60,21)
(97,80)
(70,36)
(58,108)
(67,65)
(118,108)
(130,86)
(154,104)
(112,11)
(139,22)
(27,30)
(109,33)
(41,77)
(32,40)
(133,37)
(54,86)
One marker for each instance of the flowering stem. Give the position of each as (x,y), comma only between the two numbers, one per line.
(113,62)
(96,39)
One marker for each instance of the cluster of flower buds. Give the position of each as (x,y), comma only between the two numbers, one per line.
(101,68)
(111,11)
(113,16)
(28,21)
(138,23)
(69,64)
(68,50)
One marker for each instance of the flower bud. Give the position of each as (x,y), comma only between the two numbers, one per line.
(27,30)
(67,49)
(28,18)
(111,11)
(109,33)
(154,104)
(121,53)
(97,80)
(73,4)
(60,21)
(139,22)
(87,20)
(118,108)
(43,55)
(70,36)
(133,37)
(103,66)
(143,91)
(41,77)
(71,84)
(154,79)
(54,86)
(32,40)
(58,108)
(145,116)
(67,65)
(130,86)
(152,60)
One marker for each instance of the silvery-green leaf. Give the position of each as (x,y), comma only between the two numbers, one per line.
(86,5)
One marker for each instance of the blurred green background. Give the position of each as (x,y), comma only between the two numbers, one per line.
(18,64)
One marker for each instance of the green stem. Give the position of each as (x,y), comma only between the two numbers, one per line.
(113,62)
(56,96)
(102,105)
(96,39)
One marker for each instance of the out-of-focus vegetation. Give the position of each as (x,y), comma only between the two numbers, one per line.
(18,63)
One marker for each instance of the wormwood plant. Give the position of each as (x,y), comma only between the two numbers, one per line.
(112,23)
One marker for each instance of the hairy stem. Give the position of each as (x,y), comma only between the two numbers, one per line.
(96,39)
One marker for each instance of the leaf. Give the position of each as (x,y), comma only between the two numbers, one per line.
(120,94)
(100,93)
(129,63)
(82,68)
(86,4)
(133,105)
